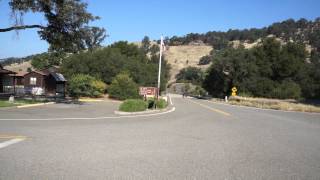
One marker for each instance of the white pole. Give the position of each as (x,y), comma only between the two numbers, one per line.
(159,73)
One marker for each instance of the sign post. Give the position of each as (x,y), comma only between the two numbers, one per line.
(159,73)
(148,91)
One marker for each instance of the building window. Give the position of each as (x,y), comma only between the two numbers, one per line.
(33,81)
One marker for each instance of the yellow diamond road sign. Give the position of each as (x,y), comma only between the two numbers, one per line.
(234,91)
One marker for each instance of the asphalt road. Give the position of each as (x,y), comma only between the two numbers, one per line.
(199,140)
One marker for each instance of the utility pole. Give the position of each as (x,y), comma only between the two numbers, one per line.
(159,73)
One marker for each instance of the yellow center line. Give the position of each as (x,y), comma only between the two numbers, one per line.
(3,136)
(212,109)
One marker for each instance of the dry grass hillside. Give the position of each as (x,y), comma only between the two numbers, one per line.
(180,57)
(16,67)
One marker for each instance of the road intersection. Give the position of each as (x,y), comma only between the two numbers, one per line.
(197,140)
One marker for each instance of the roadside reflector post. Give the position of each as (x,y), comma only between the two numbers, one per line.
(11,99)
(226,98)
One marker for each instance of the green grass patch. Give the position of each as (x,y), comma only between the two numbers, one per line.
(6,104)
(133,105)
(161,104)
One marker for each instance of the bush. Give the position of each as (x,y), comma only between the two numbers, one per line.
(205,60)
(85,85)
(199,91)
(161,103)
(123,87)
(151,103)
(287,90)
(193,75)
(133,105)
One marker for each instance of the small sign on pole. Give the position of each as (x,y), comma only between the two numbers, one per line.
(148,91)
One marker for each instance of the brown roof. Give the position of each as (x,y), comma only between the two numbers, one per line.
(20,74)
(45,72)
(38,72)
(49,70)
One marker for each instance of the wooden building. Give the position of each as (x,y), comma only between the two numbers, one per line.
(48,82)
(7,81)
(45,82)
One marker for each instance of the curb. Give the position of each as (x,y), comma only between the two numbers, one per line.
(34,105)
(143,112)
(90,100)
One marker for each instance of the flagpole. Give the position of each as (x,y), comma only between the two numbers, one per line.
(159,73)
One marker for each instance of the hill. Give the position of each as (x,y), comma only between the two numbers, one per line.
(300,31)
(180,57)
(16,67)
(187,50)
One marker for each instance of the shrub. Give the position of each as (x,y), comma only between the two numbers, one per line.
(123,87)
(133,105)
(193,75)
(205,60)
(99,87)
(198,91)
(85,85)
(161,103)
(287,90)
(151,103)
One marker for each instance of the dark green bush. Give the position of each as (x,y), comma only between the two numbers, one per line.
(133,105)
(151,103)
(287,90)
(123,87)
(205,60)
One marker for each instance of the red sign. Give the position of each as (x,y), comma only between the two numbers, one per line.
(148,91)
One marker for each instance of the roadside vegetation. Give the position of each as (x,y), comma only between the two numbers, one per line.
(161,103)
(269,70)
(135,105)
(122,66)
(81,85)
(286,105)
(123,87)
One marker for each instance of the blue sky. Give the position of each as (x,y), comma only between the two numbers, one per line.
(131,20)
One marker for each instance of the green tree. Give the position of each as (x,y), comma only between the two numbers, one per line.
(145,44)
(67,27)
(190,74)
(46,60)
(106,63)
(103,64)
(123,87)
(269,70)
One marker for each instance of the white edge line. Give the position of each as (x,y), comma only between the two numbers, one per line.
(10,142)
(170,100)
(93,118)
